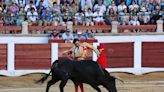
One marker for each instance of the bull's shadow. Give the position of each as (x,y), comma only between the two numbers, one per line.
(86,71)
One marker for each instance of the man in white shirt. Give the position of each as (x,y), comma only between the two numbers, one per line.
(98,18)
(32,16)
(122,6)
(29,6)
(100,6)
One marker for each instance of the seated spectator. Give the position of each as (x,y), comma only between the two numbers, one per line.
(107,2)
(54,35)
(32,16)
(46,18)
(40,7)
(110,17)
(80,35)
(133,5)
(100,6)
(29,6)
(8,18)
(122,6)
(89,35)
(20,16)
(74,7)
(67,35)
(89,18)
(98,17)
(56,7)
(44,3)
(147,5)
(144,17)
(20,3)
(79,18)
(14,8)
(124,17)
(85,4)
(113,6)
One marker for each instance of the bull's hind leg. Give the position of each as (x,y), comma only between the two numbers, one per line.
(62,84)
(51,82)
(96,87)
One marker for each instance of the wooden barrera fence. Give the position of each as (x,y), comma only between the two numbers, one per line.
(44,28)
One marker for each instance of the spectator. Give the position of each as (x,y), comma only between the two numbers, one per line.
(4,8)
(148,6)
(79,18)
(20,3)
(85,4)
(121,6)
(156,14)
(89,35)
(100,6)
(54,35)
(113,6)
(14,8)
(56,7)
(133,5)
(40,7)
(110,16)
(29,6)
(32,16)
(46,18)
(67,36)
(124,17)
(20,16)
(98,17)
(74,7)
(80,35)
(55,18)
(144,16)
(89,18)
(8,18)
(50,2)
(107,2)
(44,3)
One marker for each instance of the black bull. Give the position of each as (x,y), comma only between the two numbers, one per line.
(82,71)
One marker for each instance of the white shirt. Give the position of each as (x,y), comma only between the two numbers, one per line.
(89,2)
(102,8)
(45,3)
(121,7)
(28,7)
(98,17)
(32,17)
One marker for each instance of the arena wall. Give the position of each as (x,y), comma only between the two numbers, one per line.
(133,54)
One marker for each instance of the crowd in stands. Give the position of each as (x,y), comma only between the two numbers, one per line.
(80,12)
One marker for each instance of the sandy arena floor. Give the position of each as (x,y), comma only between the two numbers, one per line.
(153,82)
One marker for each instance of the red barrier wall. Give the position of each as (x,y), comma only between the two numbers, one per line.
(32,56)
(152,54)
(3,56)
(119,54)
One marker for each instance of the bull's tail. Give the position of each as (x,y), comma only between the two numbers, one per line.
(44,78)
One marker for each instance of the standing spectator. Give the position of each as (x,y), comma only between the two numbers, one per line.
(121,6)
(84,3)
(45,3)
(32,16)
(79,18)
(100,6)
(29,6)
(113,6)
(89,18)
(98,18)
(20,16)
